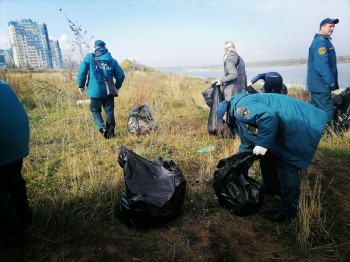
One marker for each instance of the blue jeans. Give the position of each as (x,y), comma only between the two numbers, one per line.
(324,101)
(96,105)
(283,179)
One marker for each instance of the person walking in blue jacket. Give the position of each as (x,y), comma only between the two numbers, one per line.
(287,128)
(273,83)
(322,73)
(97,92)
(15,213)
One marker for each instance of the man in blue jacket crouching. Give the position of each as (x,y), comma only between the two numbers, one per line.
(289,129)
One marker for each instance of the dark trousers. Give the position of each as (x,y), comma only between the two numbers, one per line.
(283,179)
(15,213)
(96,105)
(324,101)
(273,84)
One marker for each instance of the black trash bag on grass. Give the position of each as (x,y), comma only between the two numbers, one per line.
(236,191)
(155,191)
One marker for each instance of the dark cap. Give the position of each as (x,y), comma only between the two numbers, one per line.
(100,43)
(329,21)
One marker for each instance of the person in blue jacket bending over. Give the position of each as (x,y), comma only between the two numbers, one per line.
(15,213)
(322,73)
(273,83)
(97,92)
(287,128)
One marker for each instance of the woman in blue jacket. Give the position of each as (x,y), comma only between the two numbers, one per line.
(96,87)
(289,129)
(15,213)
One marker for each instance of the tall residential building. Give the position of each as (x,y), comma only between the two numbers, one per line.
(3,64)
(56,54)
(31,46)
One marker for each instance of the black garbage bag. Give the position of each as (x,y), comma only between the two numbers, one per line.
(140,120)
(213,97)
(208,95)
(341,118)
(155,191)
(236,191)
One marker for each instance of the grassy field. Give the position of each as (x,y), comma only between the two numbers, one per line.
(74,182)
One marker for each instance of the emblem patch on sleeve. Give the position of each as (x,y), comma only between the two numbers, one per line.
(322,50)
(243,112)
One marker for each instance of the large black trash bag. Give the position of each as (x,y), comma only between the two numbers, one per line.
(140,120)
(341,118)
(213,97)
(155,191)
(236,191)
(208,95)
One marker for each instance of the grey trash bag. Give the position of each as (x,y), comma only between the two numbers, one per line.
(140,120)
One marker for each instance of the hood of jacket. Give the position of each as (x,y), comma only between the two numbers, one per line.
(102,54)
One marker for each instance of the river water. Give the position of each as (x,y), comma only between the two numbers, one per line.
(292,75)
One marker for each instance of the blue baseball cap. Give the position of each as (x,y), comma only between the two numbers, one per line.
(100,43)
(329,21)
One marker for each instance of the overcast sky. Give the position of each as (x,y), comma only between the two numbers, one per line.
(188,32)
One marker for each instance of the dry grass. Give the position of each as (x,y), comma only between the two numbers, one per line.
(74,180)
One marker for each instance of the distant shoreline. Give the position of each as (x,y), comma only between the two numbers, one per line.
(285,62)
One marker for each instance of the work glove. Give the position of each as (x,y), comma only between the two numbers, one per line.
(249,83)
(259,150)
(82,90)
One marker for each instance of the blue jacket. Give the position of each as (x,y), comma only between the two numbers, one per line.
(264,76)
(322,73)
(289,128)
(88,69)
(14,126)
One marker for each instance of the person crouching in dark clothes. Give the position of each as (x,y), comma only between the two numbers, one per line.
(273,83)
(287,128)
(15,213)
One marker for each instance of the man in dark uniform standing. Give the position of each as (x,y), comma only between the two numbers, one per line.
(322,74)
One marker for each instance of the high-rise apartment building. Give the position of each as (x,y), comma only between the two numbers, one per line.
(31,45)
(56,55)
(3,64)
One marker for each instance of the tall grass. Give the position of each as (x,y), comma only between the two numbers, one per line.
(72,172)
(311,220)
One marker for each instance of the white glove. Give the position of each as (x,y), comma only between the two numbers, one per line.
(218,83)
(259,150)
(82,90)
(249,83)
